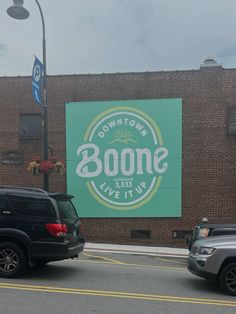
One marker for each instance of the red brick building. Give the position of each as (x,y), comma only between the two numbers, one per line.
(208,150)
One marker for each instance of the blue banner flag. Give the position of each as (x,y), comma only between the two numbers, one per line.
(37,77)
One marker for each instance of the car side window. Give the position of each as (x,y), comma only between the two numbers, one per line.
(66,210)
(4,205)
(223,232)
(27,206)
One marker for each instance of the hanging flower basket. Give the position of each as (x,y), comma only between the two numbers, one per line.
(59,167)
(34,168)
(37,166)
(34,165)
(46,166)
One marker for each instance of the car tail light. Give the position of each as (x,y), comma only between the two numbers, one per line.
(57,230)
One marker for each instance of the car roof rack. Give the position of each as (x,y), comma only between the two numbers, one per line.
(29,189)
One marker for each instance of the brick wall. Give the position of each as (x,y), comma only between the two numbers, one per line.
(209,154)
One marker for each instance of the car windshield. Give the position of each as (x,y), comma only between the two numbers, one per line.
(66,209)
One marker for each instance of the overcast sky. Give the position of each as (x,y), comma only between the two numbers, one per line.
(106,36)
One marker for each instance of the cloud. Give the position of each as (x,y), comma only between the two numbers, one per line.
(229,52)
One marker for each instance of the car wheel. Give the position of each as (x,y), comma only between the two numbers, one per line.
(12,260)
(228,279)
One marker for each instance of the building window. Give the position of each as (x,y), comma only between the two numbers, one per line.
(12,158)
(231,121)
(140,234)
(181,234)
(31,126)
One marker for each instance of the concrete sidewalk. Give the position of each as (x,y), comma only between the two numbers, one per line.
(136,249)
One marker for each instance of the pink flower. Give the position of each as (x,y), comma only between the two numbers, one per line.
(46,166)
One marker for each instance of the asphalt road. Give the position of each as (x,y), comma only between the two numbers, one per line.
(113,283)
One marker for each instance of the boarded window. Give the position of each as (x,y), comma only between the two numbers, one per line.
(140,234)
(181,234)
(31,126)
(232,121)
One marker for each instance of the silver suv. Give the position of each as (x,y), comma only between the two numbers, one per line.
(215,259)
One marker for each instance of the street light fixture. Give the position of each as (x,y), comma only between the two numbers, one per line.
(17,11)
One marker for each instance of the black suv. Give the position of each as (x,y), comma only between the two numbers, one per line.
(36,227)
(205,230)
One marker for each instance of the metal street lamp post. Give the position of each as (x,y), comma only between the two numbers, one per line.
(17,11)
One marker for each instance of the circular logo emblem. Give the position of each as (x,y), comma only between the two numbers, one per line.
(37,73)
(123,158)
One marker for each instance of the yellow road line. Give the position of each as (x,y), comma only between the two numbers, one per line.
(104,258)
(115,294)
(114,262)
(168,260)
(91,262)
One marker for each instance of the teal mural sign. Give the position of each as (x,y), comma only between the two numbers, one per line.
(124,157)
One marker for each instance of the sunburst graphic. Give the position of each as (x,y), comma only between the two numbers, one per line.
(123,136)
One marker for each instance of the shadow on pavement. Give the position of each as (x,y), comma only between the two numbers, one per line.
(52,270)
(202,285)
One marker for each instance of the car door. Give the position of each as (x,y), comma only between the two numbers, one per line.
(32,214)
(7,215)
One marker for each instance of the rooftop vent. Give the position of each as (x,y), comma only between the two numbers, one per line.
(210,62)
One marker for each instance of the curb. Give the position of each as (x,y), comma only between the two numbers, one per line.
(123,249)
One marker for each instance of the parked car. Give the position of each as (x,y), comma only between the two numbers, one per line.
(215,259)
(36,227)
(204,230)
